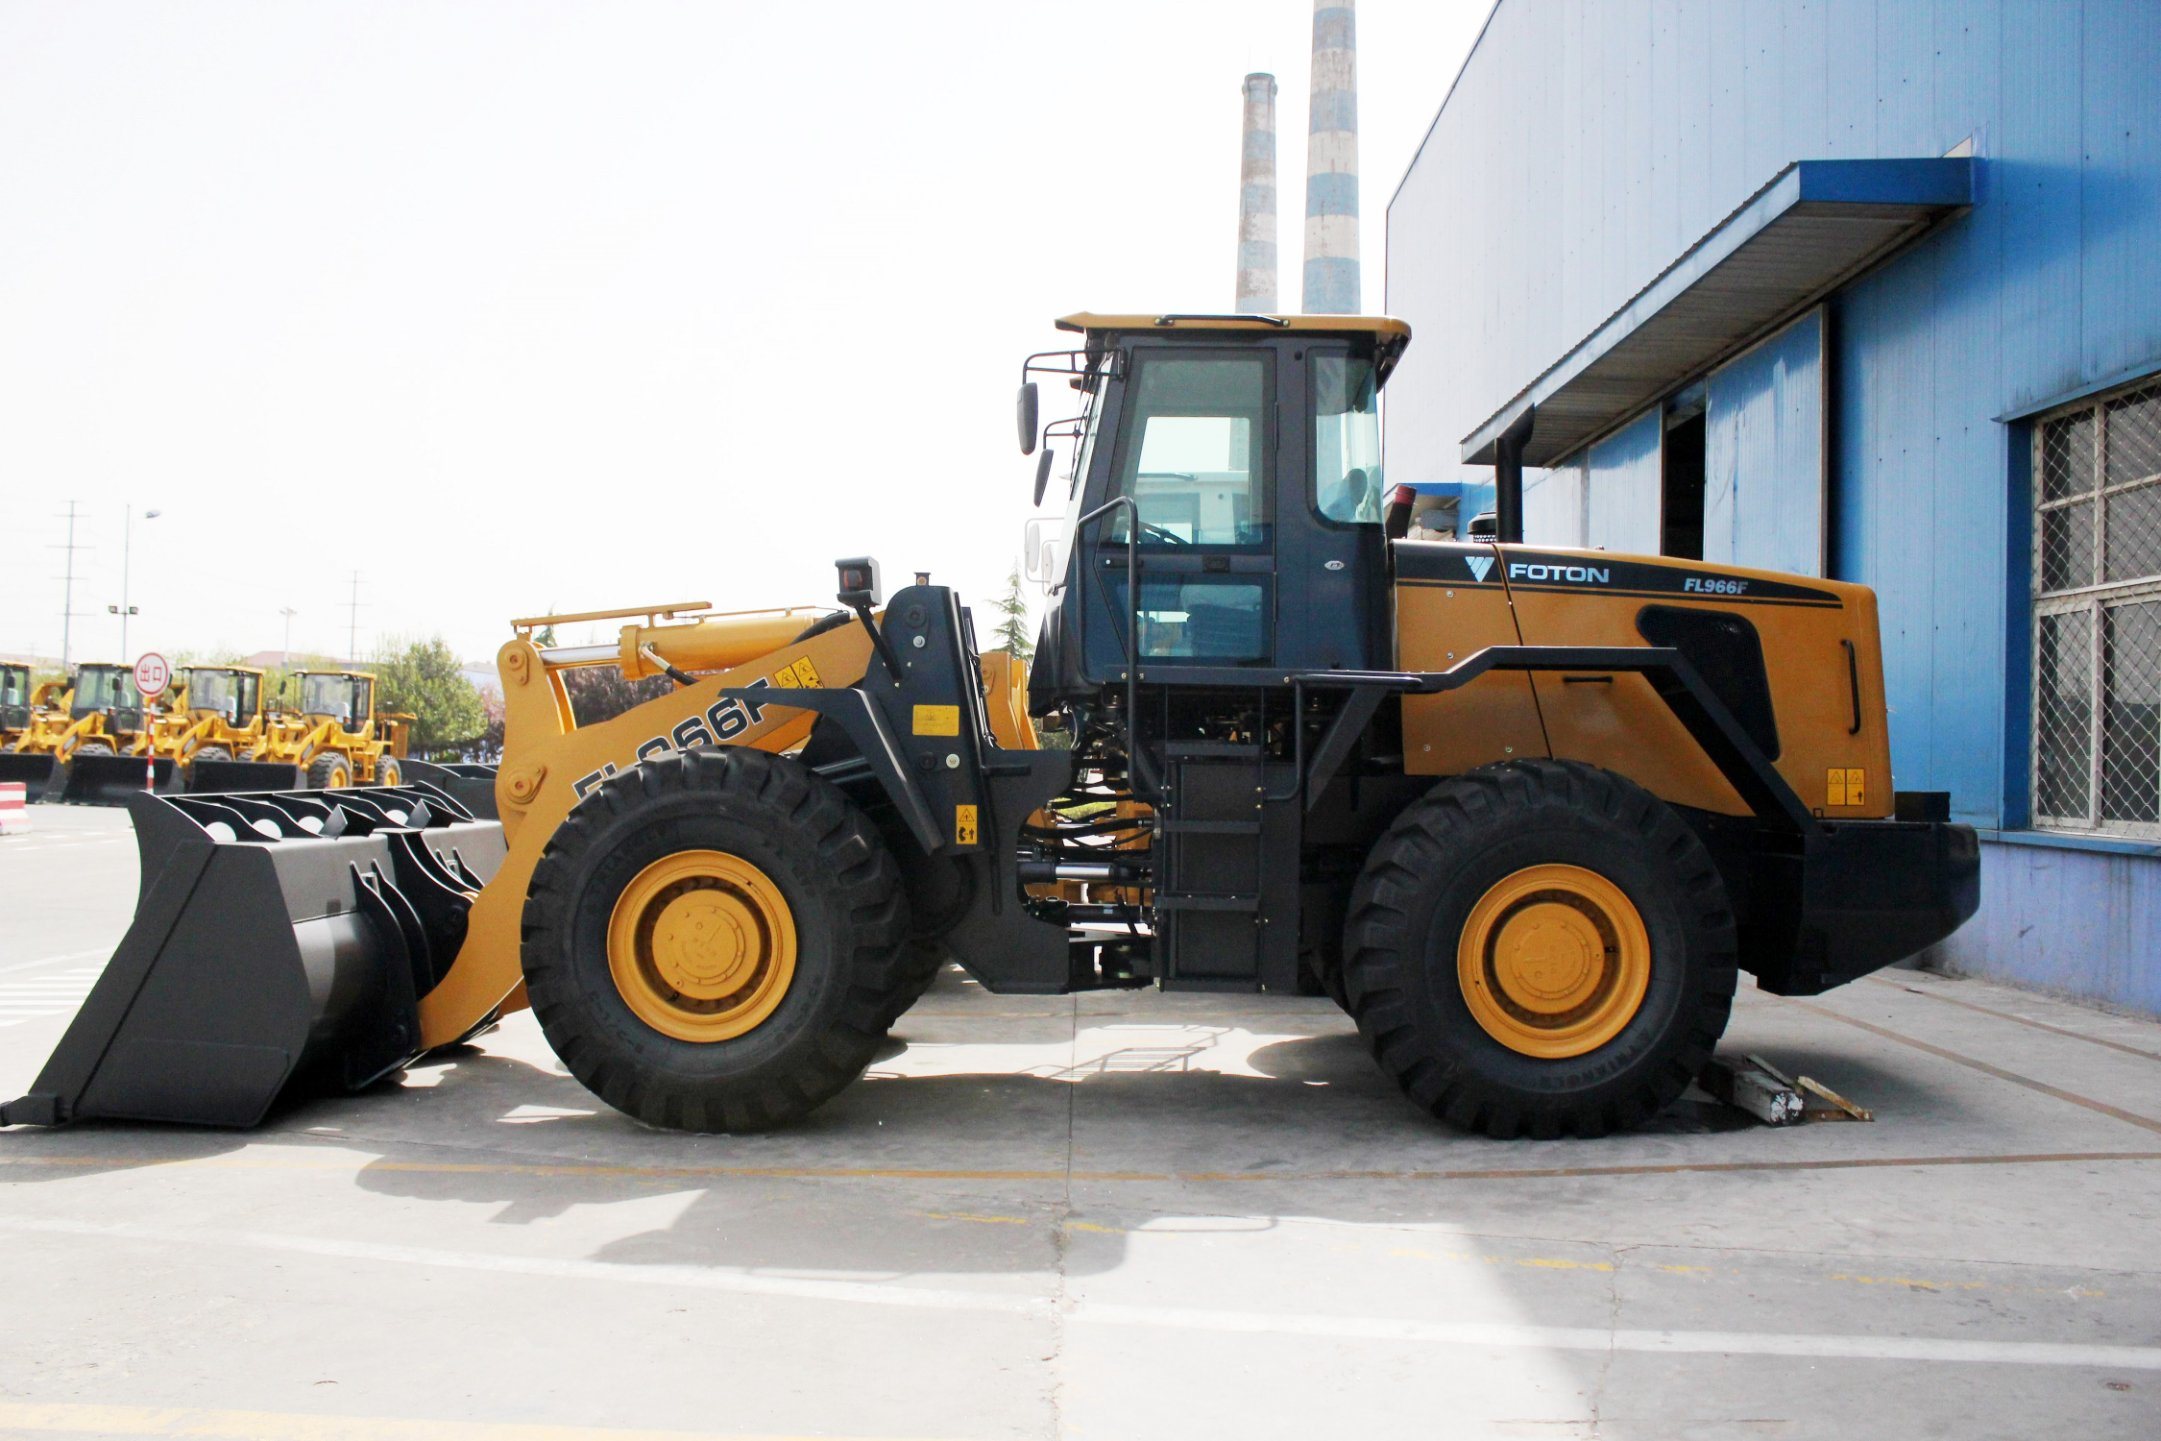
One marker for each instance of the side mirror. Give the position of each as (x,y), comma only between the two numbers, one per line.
(1039,551)
(1042,473)
(1025,413)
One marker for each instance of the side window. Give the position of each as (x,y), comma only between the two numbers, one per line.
(1194,454)
(1346,439)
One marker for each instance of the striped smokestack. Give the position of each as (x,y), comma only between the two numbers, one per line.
(1331,278)
(1257,200)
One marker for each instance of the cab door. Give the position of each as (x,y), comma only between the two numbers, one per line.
(1332,557)
(1197,452)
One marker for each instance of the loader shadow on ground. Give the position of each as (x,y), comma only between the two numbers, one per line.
(969,1172)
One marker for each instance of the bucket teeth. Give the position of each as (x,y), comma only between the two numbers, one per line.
(281,943)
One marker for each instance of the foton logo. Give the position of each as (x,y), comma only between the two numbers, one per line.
(1479,565)
(1577,574)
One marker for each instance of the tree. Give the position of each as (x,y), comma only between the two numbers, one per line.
(1012,631)
(426,678)
(599,692)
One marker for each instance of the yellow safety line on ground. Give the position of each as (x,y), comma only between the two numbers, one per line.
(76,1419)
(2023,1020)
(865,1173)
(2101,1107)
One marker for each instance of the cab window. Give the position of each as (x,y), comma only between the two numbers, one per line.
(1346,439)
(1194,455)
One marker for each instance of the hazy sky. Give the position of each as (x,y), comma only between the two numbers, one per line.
(519,306)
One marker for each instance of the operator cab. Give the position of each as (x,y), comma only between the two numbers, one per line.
(343,696)
(1223,525)
(14,697)
(110,689)
(225,691)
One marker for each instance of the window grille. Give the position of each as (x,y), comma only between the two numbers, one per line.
(2097,615)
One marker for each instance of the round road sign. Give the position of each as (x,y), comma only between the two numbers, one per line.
(152,675)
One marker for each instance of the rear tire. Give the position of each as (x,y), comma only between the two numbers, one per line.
(1540,948)
(330,772)
(793,839)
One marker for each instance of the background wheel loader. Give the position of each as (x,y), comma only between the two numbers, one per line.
(87,744)
(334,737)
(1525,812)
(214,728)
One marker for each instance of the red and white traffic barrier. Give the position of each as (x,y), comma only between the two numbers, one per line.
(14,807)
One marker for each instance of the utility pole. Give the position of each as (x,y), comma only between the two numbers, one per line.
(285,656)
(352,624)
(67,604)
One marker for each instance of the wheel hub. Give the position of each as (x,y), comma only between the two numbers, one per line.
(702,946)
(1554,961)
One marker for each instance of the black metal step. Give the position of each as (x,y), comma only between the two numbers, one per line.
(1189,901)
(1172,826)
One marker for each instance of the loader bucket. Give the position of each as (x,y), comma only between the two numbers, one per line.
(116,780)
(219,777)
(39,772)
(281,944)
(471,786)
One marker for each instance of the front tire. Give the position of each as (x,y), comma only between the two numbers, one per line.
(1540,947)
(713,941)
(330,772)
(388,772)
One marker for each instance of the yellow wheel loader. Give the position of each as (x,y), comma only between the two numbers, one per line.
(214,727)
(335,738)
(1525,812)
(88,743)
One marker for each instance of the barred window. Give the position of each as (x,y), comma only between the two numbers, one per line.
(2097,615)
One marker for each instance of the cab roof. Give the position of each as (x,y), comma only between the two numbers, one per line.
(1388,334)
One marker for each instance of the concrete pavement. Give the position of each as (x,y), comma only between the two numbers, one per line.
(1117,1215)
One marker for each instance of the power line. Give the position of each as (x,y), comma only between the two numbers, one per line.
(67,603)
(352,623)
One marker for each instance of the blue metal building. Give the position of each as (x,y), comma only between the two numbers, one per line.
(1862,288)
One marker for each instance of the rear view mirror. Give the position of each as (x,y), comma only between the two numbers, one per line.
(1039,551)
(1042,473)
(1025,413)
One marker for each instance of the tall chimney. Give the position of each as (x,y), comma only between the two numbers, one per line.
(1257,200)
(1331,277)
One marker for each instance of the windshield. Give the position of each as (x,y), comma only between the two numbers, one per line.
(341,697)
(1191,455)
(228,692)
(104,687)
(1347,482)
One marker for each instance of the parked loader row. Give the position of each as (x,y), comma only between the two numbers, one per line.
(92,740)
(1526,813)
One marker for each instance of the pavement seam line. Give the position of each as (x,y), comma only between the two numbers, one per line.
(2118,1113)
(571,1170)
(2053,1030)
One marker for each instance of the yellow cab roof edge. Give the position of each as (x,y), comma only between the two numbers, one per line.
(1389,334)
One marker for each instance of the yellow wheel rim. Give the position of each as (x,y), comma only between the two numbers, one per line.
(702,946)
(338,779)
(1554,961)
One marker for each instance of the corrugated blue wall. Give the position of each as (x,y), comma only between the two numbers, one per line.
(1587,143)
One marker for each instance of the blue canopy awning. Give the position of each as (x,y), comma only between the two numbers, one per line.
(1813,228)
